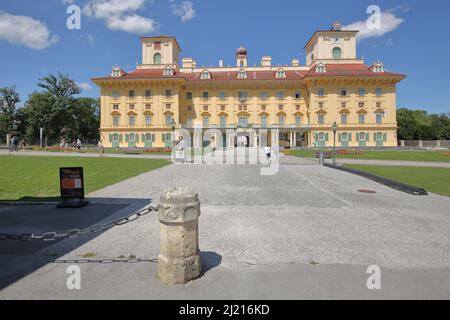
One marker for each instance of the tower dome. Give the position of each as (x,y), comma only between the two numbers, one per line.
(241,51)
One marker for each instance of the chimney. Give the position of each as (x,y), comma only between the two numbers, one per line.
(295,62)
(266,61)
(221,63)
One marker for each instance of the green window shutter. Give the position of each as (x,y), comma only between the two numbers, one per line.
(350,137)
(357,136)
(340,137)
(327,136)
(163,137)
(110,138)
(316,136)
(143,137)
(137,137)
(153,138)
(121,138)
(367,137)
(126,137)
(375,136)
(385,137)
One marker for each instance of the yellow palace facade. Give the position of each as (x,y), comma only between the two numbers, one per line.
(298,103)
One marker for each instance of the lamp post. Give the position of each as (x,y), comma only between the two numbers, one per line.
(335,128)
(174,124)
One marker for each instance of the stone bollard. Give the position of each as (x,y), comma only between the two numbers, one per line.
(179,259)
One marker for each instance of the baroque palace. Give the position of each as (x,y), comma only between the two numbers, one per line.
(298,103)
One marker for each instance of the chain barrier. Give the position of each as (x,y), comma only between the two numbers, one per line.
(74,233)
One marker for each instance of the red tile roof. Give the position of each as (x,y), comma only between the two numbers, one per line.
(332,70)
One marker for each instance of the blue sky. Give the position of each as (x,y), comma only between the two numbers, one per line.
(414,42)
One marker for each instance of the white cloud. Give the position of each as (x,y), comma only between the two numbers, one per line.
(120,15)
(389,22)
(185,10)
(132,24)
(68,2)
(26,31)
(85,86)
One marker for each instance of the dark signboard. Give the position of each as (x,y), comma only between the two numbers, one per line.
(71,183)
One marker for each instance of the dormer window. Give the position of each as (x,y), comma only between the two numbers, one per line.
(206,75)
(281,73)
(320,68)
(168,71)
(378,67)
(242,74)
(116,72)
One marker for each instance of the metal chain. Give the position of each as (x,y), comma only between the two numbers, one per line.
(74,233)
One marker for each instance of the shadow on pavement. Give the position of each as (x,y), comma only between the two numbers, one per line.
(210,260)
(18,259)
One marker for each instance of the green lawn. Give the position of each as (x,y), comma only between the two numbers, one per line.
(436,180)
(31,178)
(426,156)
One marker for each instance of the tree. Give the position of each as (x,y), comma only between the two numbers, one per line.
(418,125)
(9,98)
(60,86)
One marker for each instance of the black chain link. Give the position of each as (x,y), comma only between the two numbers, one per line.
(74,233)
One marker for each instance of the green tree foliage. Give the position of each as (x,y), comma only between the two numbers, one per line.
(8,101)
(418,125)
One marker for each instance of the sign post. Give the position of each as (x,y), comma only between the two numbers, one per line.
(72,188)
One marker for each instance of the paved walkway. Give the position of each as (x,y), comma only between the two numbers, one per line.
(259,236)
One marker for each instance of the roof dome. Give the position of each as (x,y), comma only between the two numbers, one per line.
(241,51)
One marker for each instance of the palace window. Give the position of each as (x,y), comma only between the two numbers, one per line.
(378,92)
(321,118)
(205,122)
(116,121)
(148,93)
(168,106)
(132,120)
(206,75)
(361,104)
(148,106)
(298,95)
(131,107)
(280,107)
(337,53)
(168,93)
(321,136)
(222,95)
(379,136)
(281,74)
(361,92)
(148,120)
(344,92)
(343,104)
(344,118)
(131,137)
(157,58)
(115,94)
(131,94)
(205,108)
(264,95)
(320,105)
(379,118)
(297,107)
(281,121)
(115,107)
(321,68)
(189,122)
(362,118)
(115,137)
(242,74)
(321,92)
(264,122)
(188,95)
(298,120)
(205,95)
(243,121)
(169,120)
(168,71)
(223,122)
(280,95)
(242,95)
(344,136)
(222,108)
(148,137)
(362,136)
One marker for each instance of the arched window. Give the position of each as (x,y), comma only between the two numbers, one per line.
(157,58)
(337,53)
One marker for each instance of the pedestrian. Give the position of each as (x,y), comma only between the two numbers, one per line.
(101,148)
(267,151)
(79,144)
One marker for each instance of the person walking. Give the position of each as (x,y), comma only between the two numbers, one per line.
(267,151)
(101,148)
(79,145)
